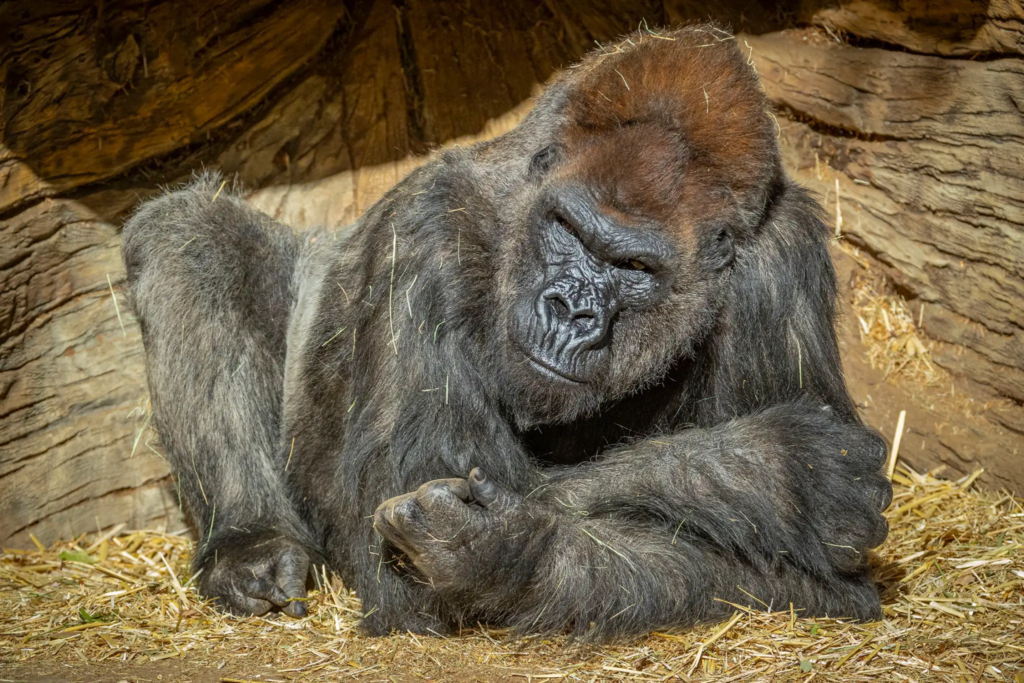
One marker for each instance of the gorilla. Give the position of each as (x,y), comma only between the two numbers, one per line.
(582,378)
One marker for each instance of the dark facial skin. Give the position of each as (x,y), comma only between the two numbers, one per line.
(593,270)
(609,282)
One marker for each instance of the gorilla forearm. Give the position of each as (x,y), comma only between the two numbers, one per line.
(601,578)
(504,558)
(793,479)
(782,504)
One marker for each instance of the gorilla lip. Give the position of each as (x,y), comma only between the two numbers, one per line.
(548,371)
(540,366)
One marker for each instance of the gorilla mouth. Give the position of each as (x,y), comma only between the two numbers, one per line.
(550,372)
(544,368)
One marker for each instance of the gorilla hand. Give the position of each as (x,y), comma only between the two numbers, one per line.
(250,572)
(843,489)
(468,536)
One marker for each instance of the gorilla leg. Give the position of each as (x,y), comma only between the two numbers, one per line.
(211,283)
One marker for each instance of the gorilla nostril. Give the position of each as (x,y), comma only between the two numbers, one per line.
(558,304)
(566,311)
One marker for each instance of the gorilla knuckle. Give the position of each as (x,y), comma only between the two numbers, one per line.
(880,532)
(875,450)
(881,491)
(435,493)
(406,513)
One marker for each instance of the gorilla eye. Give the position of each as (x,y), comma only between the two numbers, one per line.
(567,226)
(542,161)
(631,264)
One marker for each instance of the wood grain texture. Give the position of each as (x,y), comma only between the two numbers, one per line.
(72,384)
(95,92)
(950,27)
(930,152)
(321,107)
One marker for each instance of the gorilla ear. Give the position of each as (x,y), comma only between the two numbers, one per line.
(717,246)
(543,160)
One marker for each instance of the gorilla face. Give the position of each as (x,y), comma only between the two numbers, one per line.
(614,276)
(593,271)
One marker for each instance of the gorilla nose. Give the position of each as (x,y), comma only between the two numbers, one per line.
(579,322)
(566,310)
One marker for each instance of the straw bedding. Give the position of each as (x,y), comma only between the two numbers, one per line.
(952,571)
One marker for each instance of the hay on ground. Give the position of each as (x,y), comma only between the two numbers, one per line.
(952,569)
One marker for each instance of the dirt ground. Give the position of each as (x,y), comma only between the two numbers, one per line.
(185,671)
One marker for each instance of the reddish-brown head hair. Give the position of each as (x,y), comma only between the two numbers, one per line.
(673,127)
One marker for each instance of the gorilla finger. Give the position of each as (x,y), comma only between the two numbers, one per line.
(868,528)
(443,492)
(256,586)
(488,494)
(401,523)
(276,596)
(292,569)
(242,605)
(296,607)
(386,513)
(876,452)
(844,557)
(293,603)
(883,497)
(483,489)
(879,532)
(291,577)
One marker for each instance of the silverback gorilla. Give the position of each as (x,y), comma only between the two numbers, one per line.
(598,350)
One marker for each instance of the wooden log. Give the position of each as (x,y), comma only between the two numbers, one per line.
(75,450)
(960,28)
(467,63)
(95,92)
(350,112)
(338,200)
(928,149)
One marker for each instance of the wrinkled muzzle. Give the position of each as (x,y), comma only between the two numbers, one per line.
(569,326)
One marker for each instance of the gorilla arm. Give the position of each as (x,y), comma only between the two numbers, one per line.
(659,534)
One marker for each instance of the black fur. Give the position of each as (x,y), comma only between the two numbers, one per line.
(304,384)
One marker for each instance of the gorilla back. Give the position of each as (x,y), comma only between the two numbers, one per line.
(582,377)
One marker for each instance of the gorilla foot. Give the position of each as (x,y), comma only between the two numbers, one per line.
(248,573)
